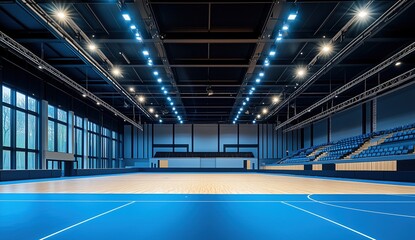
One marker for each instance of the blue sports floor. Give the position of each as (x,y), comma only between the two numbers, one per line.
(208,216)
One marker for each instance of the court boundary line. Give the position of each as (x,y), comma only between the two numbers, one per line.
(329,220)
(86,220)
(359,209)
(184,201)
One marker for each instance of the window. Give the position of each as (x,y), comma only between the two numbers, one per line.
(31,160)
(20,129)
(51,136)
(31,104)
(6,160)
(20,160)
(57,130)
(7,95)
(31,131)
(62,138)
(20,100)
(20,132)
(6,126)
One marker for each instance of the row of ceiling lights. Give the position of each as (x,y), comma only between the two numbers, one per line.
(273,51)
(301,71)
(62,15)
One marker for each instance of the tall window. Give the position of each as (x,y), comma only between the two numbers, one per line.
(20,130)
(57,133)
(79,143)
(94,146)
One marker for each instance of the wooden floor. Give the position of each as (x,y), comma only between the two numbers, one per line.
(179,183)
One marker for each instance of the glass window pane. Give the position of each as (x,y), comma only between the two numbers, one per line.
(6,126)
(51,136)
(20,100)
(62,116)
(6,160)
(31,104)
(7,94)
(78,121)
(20,129)
(62,138)
(51,111)
(31,160)
(78,143)
(20,160)
(31,131)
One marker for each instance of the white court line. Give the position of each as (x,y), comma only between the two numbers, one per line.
(360,210)
(183,201)
(87,220)
(401,195)
(329,220)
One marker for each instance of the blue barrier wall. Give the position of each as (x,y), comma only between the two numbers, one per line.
(346,124)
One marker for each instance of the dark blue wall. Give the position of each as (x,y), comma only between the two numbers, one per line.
(346,124)
(396,108)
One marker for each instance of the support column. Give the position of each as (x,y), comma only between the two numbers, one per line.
(43,146)
(374,114)
(86,144)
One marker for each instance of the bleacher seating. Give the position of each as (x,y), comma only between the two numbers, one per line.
(401,142)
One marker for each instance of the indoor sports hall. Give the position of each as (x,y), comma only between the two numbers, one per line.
(207,120)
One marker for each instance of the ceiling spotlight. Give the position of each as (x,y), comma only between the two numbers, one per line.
(285,27)
(181,121)
(275,99)
(151,110)
(272,52)
(83,95)
(247,99)
(253,88)
(398,63)
(61,15)
(160,121)
(326,48)
(244,103)
(40,67)
(257,80)
(141,99)
(241,109)
(175,112)
(362,13)
(174,108)
(266,63)
(131,89)
(301,72)
(169,99)
(98,103)
(261,74)
(156,115)
(116,71)
(150,62)
(126,17)
(258,116)
(92,47)
(146,53)
(156,73)
(171,103)
(159,80)
(253,121)
(265,111)
(133,27)
(292,16)
(279,38)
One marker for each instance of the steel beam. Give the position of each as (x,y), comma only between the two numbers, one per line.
(398,8)
(371,93)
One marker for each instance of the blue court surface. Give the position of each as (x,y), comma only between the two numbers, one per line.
(176,216)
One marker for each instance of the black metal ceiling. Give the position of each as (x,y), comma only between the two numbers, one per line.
(212,45)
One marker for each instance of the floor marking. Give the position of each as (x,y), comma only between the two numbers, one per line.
(360,210)
(329,220)
(401,195)
(87,220)
(183,201)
